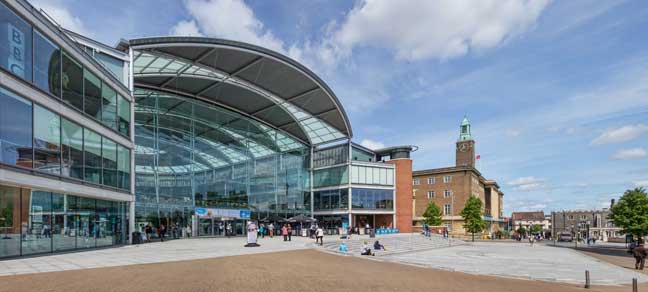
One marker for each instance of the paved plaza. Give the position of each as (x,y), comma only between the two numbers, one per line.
(501,259)
(519,260)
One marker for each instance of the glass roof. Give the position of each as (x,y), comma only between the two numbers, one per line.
(148,64)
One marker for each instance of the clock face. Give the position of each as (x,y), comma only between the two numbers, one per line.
(463,147)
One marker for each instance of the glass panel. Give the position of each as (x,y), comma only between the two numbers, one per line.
(362,175)
(86,222)
(109,156)
(63,223)
(72,146)
(109,107)
(124,116)
(10,227)
(115,66)
(38,204)
(92,156)
(16,45)
(331,156)
(92,94)
(361,155)
(47,141)
(15,129)
(372,199)
(123,167)
(331,177)
(47,65)
(72,82)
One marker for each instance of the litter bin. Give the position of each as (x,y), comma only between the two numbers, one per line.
(136,237)
(372,233)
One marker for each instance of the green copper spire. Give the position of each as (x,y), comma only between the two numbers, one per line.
(464,129)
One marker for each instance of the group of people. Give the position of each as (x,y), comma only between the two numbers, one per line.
(426,230)
(317,232)
(365,250)
(147,232)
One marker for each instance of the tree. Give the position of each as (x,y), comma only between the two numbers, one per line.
(535,229)
(472,214)
(631,212)
(521,231)
(432,215)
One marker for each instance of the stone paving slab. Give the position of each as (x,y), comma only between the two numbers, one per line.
(540,262)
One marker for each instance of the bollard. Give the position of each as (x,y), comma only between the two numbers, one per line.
(634,284)
(587,279)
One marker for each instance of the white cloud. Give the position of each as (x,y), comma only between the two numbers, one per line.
(622,134)
(186,28)
(229,19)
(62,16)
(513,132)
(527,183)
(371,144)
(633,153)
(417,30)
(641,183)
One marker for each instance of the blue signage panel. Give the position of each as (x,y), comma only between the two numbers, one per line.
(244,214)
(222,213)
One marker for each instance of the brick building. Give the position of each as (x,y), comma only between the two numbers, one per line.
(528,219)
(450,188)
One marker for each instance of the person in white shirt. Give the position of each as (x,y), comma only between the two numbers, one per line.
(319,236)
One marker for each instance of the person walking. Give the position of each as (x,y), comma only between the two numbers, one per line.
(228,229)
(148,230)
(271,230)
(313,228)
(319,235)
(289,232)
(284,232)
(262,230)
(639,253)
(162,231)
(189,231)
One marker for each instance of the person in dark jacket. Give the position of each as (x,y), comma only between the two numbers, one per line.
(639,253)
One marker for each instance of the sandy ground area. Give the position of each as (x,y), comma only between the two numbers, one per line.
(303,270)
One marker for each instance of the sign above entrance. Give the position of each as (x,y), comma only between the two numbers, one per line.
(223,213)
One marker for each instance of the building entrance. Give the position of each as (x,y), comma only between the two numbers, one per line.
(220,227)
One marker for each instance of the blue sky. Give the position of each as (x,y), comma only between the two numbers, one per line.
(557,91)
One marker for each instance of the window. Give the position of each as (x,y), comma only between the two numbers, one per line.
(331,156)
(47,140)
(124,115)
(15,129)
(92,156)
(109,164)
(583,217)
(431,180)
(447,179)
(448,226)
(447,193)
(47,65)
(331,177)
(372,199)
(72,146)
(123,167)
(416,182)
(92,95)
(430,194)
(109,107)
(361,155)
(447,209)
(72,82)
(16,44)
(331,199)
(571,217)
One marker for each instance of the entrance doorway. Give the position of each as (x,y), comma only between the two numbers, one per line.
(219,227)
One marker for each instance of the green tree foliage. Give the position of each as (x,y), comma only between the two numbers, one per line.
(535,229)
(521,230)
(631,212)
(432,215)
(472,214)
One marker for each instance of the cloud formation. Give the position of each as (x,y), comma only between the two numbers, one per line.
(527,183)
(622,134)
(417,30)
(627,154)
(371,144)
(62,16)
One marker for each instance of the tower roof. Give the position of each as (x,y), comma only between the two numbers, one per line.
(464,130)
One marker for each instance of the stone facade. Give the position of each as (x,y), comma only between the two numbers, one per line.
(585,224)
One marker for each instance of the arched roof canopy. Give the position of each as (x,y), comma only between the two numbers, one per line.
(251,80)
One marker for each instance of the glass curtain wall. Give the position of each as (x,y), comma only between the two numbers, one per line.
(36,222)
(192,154)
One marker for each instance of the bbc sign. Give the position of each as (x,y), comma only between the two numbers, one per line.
(16,56)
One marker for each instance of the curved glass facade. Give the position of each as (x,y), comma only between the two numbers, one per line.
(193,154)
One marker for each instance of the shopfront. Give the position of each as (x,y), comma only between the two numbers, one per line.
(220,222)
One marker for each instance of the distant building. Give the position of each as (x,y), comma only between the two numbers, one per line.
(585,223)
(450,188)
(528,219)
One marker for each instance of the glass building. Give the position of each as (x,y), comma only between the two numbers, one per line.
(98,141)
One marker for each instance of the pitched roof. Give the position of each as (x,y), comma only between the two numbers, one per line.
(535,215)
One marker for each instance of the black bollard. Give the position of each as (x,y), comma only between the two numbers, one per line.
(634,284)
(587,279)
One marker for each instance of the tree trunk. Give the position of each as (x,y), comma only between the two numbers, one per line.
(473,237)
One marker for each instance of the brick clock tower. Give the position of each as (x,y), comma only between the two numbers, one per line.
(465,154)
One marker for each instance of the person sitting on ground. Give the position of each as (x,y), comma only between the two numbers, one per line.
(343,247)
(378,246)
(366,250)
